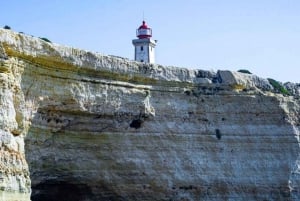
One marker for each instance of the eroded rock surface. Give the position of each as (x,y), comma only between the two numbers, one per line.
(104,128)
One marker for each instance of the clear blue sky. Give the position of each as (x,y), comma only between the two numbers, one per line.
(262,36)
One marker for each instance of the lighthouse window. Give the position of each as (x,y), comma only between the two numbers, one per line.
(142,48)
(142,60)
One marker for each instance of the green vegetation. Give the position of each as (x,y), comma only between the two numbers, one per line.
(278,87)
(46,39)
(6,27)
(238,87)
(244,71)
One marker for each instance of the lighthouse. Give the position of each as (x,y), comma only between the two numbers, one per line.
(144,46)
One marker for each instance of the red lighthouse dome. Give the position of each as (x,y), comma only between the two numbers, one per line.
(144,31)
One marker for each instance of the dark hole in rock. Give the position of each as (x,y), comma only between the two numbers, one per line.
(59,190)
(187,93)
(218,134)
(136,123)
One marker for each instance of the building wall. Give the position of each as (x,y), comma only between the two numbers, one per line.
(144,50)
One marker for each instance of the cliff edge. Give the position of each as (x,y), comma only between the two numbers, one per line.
(76,125)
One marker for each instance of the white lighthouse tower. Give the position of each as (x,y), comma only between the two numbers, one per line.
(144,46)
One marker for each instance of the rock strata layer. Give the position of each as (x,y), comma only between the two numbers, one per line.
(96,127)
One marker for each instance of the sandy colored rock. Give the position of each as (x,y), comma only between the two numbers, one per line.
(100,127)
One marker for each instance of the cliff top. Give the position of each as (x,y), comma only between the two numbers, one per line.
(43,52)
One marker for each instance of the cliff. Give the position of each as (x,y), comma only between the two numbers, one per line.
(76,125)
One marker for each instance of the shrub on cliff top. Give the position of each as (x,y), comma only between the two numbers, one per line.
(6,27)
(244,71)
(46,39)
(278,87)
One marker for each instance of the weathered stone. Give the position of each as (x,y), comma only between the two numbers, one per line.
(246,80)
(203,81)
(2,53)
(104,128)
(293,88)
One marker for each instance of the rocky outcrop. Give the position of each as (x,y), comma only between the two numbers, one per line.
(100,127)
(14,174)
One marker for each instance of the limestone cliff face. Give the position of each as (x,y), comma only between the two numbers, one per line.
(98,127)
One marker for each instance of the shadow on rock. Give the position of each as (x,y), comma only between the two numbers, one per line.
(60,190)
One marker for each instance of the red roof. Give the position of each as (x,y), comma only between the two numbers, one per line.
(144,31)
(143,26)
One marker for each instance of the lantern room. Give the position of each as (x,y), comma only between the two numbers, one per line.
(144,31)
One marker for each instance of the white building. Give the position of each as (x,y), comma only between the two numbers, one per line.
(144,46)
